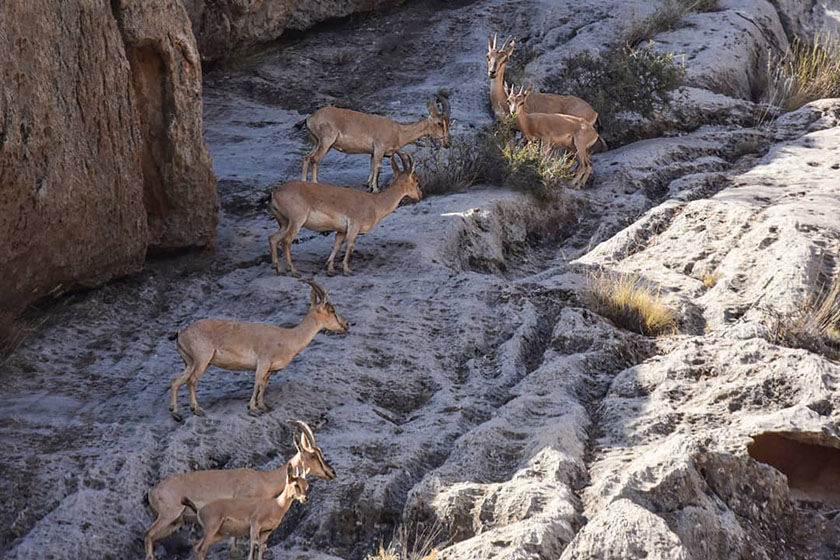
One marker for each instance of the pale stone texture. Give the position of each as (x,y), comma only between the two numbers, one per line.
(475,392)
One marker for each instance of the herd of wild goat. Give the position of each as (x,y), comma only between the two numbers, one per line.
(248,503)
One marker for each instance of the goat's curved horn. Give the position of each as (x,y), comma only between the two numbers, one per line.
(307,431)
(494,40)
(404,162)
(489,42)
(444,104)
(318,290)
(394,165)
(410,163)
(505,45)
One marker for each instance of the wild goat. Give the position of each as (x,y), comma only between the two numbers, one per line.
(254,517)
(346,211)
(565,131)
(249,346)
(537,102)
(352,132)
(202,487)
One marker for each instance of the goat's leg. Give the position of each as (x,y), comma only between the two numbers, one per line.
(375,167)
(198,371)
(286,241)
(273,241)
(259,378)
(263,540)
(348,251)
(255,541)
(339,239)
(211,537)
(324,144)
(176,382)
(263,387)
(168,520)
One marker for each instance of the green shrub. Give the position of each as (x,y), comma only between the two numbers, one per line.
(623,80)
(493,156)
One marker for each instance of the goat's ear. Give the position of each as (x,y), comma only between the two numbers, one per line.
(432,108)
(510,48)
(507,89)
(290,473)
(489,42)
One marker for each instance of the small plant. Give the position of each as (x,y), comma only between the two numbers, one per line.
(531,170)
(493,156)
(814,325)
(454,169)
(623,80)
(806,72)
(408,545)
(710,280)
(630,303)
(666,18)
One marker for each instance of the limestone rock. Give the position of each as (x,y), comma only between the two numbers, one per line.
(224,27)
(101,148)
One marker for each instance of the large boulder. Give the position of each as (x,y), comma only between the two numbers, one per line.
(228,25)
(101,149)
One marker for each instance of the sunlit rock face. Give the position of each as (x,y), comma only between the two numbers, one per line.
(101,148)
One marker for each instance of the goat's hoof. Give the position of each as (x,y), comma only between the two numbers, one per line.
(330,272)
(265,408)
(278,271)
(295,273)
(254,412)
(199,411)
(348,272)
(177,416)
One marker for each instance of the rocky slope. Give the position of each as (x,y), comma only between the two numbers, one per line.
(101,148)
(230,27)
(475,394)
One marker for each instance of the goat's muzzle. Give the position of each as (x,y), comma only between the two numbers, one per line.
(491,74)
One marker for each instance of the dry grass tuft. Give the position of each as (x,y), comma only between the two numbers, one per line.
(417,544)
(666,18)
(493,156)
(630,303)
(710,280)
(815,325)
(805,73)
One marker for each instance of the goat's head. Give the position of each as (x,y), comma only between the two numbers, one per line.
(516,99)
(296,485)
(325,311)
(311,456)
(497,58)
(439,110)
(406,179)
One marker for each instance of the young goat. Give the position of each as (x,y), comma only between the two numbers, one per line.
(202,487)
(497,59)
(254,517)
(565,131)
(352,132)
(347,212)
(249,346)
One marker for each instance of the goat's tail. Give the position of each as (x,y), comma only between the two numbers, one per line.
(173,335)
(189,503)
(301,124)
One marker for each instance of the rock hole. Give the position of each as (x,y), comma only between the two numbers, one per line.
(148,75)
(811,462)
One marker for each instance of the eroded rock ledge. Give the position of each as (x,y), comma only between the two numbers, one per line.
(101,148)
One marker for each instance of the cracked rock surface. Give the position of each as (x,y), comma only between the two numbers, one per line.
(475,393)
